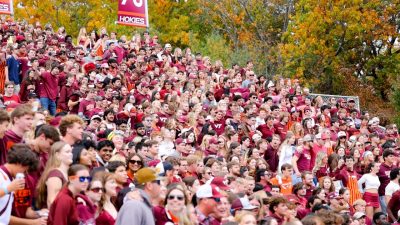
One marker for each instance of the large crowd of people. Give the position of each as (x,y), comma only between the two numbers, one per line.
(114,129)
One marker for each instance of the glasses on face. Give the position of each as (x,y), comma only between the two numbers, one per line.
(178,197)
(217,199)
(139,162)
(82,179)
(97,189)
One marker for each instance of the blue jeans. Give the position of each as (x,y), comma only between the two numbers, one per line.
(48,105)
(382,202)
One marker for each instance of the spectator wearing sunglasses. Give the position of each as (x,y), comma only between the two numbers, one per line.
(63,210)
(107,211)
(173,210)
(134,162)
(88,203)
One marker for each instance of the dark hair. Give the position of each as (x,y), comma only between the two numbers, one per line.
(386,153)
(297,187)
(76,153)
(113,165)
(275,201)
(311,200)
(260,173)
(105,143)
(377,215)
(394,173)
(49,132)
(369,167)
(22,154)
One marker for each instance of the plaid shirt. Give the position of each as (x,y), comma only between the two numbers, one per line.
(203,219)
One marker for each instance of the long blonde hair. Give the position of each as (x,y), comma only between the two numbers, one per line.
(319,161)
(52,163)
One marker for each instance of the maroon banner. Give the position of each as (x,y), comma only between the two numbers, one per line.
(133,13)
(6,7)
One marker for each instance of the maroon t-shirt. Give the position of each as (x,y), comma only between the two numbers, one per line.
(219,126)
(85,106)
(63,210)
(394,204)
(384,177)
(281,129)
(50,85)
(304,160)
(266,131)
(272,158)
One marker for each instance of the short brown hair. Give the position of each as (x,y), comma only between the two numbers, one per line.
(192,159)
(67,122)
(4,116)
(49,132)
(22,110)
(275,201)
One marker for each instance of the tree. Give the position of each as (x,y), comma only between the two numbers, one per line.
(329,43)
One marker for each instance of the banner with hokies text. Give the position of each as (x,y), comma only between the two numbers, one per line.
(133,13)
(6,7)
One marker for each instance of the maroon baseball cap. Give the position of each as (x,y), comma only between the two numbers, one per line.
(219,182)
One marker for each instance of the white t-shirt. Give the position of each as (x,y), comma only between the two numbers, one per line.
(4,182)
(391,188)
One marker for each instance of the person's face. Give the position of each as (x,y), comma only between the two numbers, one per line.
(236,170)
(248,220)
(350,163)
(85,158)
(275,142)
(135,163)
(327,183)
(105,153)
(3,128)
(9,89)
(24,122)
(360,208)
(95,192)
(110,117)
(141,131)
(76,180)
(175,200)
(222,209)
(110,188)
(321,195)
(287,172)
(95,124)
(75,131)
(215,167)
(65,155)
(382,219)
(281,209)
(308,180)
(121,175)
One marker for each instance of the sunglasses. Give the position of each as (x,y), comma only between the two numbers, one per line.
(217,199)
(82,179)
(108,150)
(97,189)
(139,162)
(178,197)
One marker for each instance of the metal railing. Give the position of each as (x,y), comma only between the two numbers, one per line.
(327,97)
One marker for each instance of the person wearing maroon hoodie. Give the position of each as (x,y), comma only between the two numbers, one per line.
(278,209)
(50,84)
(4,121)
(21,119)
(271,154)
(219,122)
(384,175)
(40,145)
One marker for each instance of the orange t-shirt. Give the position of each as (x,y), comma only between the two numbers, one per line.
(286,185)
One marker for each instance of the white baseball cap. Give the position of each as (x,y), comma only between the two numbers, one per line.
(208,191)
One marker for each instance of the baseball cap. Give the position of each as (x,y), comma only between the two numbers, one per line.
(104,65)
(242,204)
(219,182)
(307,138)
(341,134)
(145,175)
(350,100)
(168,45)
(318,136)
(359,215)
(208,191)
(95,117)
(179,141)
(164,167)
